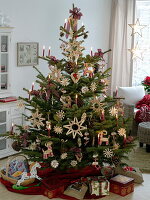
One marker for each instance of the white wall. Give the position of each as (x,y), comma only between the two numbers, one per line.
(39,21)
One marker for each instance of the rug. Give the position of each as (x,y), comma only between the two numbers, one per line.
(139,158)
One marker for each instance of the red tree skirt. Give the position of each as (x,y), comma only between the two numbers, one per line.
(55,183)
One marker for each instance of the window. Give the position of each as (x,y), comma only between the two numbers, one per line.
(141,68)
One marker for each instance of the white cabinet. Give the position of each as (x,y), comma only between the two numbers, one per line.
(5,51)
(9,113)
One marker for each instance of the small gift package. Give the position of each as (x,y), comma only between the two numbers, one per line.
(121,185)
(52,188)
(77,190)
(98,185)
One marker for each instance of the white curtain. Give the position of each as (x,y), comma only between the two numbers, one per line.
(120,42)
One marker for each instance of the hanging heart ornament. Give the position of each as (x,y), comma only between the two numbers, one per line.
(75,77)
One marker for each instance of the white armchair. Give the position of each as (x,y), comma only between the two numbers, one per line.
(131,96)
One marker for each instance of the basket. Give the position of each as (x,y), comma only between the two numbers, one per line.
(12,180)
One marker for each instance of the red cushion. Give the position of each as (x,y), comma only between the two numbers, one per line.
(143,115)
(144,101)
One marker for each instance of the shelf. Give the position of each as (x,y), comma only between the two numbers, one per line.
(2,52)
(3,123)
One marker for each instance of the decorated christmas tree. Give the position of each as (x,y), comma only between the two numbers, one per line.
(73,123)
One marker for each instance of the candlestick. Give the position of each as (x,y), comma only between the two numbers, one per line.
(43,51)
(49,51)
(65,23)
(12,129)
(32,86)
(76,99)
(91,51)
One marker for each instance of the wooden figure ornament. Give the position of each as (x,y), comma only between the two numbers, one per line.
(88,69)
(49,152)
(101,137)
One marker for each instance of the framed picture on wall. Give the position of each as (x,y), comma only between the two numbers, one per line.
(27,53)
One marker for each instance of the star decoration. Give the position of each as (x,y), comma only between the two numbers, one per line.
(63,156)
(97,106)
(72,50)
(84,89)
(58,129)
(54,163)
(33,146)
(93,86)
(55,74)
(75,127)
(60,114)
(108,153)
(37,119)
(73,163)
(64,82)
(137,28)
(113,111)
(137,52)
(122,132)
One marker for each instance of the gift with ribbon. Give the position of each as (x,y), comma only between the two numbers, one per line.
(98,185)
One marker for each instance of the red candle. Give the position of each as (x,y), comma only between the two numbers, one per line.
(125,140)
(65,23)
(116,93)
(12,129)
(49,51)
(103,116)
(32,86)
(49,128)
(98,139)
(91,51)
(43,51)
(76,99)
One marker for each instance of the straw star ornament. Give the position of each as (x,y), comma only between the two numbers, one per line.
(75,127)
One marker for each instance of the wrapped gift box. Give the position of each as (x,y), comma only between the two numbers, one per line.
(98,185)
(121,185)
(76,190)
(52,187)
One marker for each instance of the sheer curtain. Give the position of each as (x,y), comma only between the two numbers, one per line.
(120,42)
(141,68)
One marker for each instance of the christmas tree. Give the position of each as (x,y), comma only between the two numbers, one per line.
(73,123)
